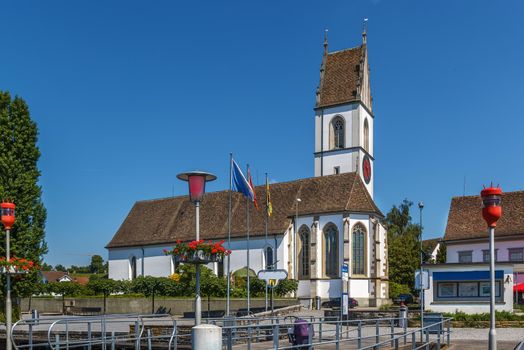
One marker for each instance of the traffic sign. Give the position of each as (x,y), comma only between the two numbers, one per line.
(421,280)
(272,276)
(345,272)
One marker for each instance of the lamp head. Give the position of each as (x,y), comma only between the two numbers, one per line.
(8,214)
(197,183)
(420,205)
(491,205)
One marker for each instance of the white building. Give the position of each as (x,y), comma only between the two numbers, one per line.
(338,221)
(461,283)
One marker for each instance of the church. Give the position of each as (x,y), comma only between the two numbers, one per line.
(318,223)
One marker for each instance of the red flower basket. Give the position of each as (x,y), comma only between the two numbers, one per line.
(16,265)
(198,252)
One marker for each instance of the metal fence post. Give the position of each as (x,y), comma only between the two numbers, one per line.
(104,335)
(30,336)
(57,342)
(438,342)
(276,335)
(149,347)
(113,347)
(320,331)
(392,329)
(449,333)
(137,336)
(396,344)
(377,335)
(89,335)
(405,329)
(359,334)
(337,334)
(427,339)
(413,341)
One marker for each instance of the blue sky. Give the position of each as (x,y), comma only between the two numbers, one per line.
(127,94)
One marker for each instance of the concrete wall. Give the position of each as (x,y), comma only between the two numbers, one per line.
(143,305)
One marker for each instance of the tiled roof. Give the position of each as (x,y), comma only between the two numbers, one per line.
(166,220)
(54,276)
(340,77)
(465,217)
(430,244)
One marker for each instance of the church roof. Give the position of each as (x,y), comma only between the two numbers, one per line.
(465,217)
(165,220)
(342,76)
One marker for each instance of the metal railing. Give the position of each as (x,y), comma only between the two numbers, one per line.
(105,332)
(277,333)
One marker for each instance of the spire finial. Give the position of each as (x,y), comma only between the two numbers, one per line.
(364,30)
(325,41)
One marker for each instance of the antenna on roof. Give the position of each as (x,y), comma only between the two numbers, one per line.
(325,41)
(464,189)
(364,31)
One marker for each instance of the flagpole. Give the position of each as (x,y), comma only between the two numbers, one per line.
(265,229)
(248,267)
(228,302)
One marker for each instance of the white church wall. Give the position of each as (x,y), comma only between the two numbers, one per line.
(120,262)
(359,288)
(363,113)
(256,252)
(329,288)
(304,289)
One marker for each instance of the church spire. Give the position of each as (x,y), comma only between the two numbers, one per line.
(325,41)
(364,31)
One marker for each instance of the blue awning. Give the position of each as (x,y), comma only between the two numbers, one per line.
(466,275)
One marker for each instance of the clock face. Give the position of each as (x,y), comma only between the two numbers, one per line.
(366,168)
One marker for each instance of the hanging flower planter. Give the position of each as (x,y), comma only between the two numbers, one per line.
(16,266)
(198,252)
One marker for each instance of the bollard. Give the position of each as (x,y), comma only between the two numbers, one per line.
(149,346)
(206,337)
(359,340)
(113,340)
(413,341)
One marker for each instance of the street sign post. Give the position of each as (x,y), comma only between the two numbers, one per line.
(272,277)
(345,272)
(345,304)
(422,280)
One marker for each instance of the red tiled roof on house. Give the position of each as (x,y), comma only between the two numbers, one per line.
(465,217)
(166,220)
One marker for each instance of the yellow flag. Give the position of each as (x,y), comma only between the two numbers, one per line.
(269,206)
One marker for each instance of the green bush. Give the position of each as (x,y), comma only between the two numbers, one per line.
(470,319)
(395,289)
(285,287)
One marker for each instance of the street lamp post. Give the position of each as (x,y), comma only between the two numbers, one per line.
(295,264)
(197,187)
(491,212)
(8,219)
(421,301)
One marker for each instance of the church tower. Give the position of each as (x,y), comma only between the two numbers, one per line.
(344,114)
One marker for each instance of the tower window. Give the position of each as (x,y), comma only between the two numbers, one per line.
(337,133)
(336,170)
(366,135)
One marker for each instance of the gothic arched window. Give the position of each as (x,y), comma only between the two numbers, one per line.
(358,249)
(337,132)
(268,255)
(303,252)
(366,135)
(133,267)
(331,250)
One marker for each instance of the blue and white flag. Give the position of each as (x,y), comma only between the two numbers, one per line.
(240,183)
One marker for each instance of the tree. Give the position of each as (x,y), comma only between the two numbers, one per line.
(403,245)
(60,267)
(97,264)
(442,253)
(46,267)
(19,175)
(105,287)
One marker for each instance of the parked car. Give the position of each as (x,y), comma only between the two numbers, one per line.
(406,298)
(334,303)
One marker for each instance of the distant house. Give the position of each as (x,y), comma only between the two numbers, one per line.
(61,276)
(431,248)
(462,283)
